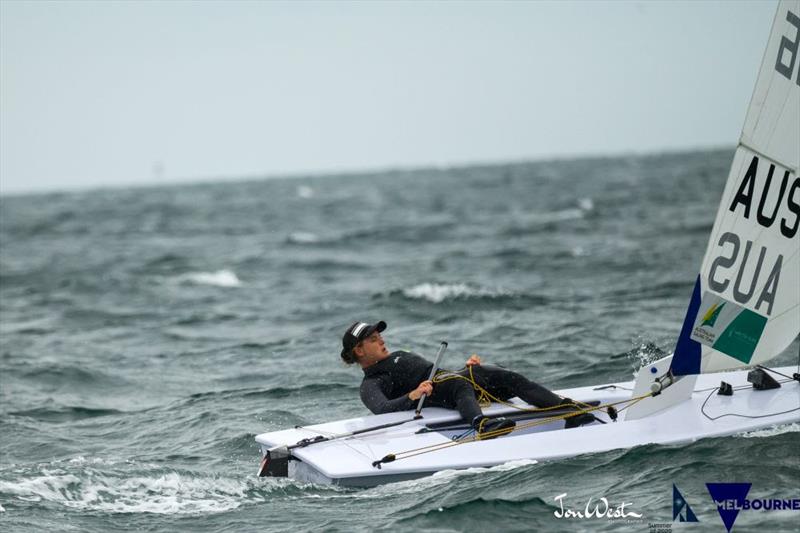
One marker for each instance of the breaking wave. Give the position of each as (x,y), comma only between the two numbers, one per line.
(220,278)
(304,191)
(437,293)
(794,427)
(438,479)
(157,493)
(302,237)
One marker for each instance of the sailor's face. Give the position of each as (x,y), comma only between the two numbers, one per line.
(372,348)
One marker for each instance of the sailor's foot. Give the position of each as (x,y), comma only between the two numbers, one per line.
(490,428)
(576,420)
(579,420)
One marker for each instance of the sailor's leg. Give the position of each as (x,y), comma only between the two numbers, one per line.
(507,384)
(456,394)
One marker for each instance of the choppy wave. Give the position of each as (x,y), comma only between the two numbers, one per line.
(439,292)
(220,278)
(304,191)
(302,237)
(66,413)
(125,334)
(496,510)
(29,327)
(327,265)
(398,233)
(538,221)
(165,263)
(440,479)
(157,492)
(60,374)
(794,427)
(268,393)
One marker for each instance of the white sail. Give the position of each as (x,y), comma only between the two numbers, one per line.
(746,303)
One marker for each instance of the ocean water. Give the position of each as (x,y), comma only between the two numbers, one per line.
(147,335)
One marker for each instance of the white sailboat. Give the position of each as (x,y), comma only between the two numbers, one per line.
(744,310)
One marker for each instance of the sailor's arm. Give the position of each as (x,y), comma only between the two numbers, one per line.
(376,401)
(426,387)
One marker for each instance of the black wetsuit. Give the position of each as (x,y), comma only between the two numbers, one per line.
(387,383)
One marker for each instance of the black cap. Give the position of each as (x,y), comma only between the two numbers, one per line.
(357,333)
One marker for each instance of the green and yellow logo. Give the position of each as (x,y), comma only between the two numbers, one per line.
(710,318)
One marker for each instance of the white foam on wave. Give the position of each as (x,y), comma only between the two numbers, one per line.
(81,460)
(586,204)
(302,237)
(170,493)
(794,427)
(551,217)
(304,191)
(415,486)
(220,278)
(437,293)
(505,467)
(443,477)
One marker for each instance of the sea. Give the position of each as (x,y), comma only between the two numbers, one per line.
(148,334)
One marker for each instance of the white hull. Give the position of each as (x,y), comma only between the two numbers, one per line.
(349,461)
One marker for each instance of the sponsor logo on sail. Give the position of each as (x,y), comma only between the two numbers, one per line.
(727,327)
(711,315)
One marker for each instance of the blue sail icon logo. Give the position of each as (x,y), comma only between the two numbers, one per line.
(680,507)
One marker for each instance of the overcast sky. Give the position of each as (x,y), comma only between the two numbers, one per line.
(118,93)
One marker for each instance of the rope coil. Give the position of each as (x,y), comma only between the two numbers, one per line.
(485,398)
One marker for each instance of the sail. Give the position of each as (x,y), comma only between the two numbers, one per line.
(745,307)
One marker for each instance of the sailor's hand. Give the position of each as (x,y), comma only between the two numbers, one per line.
(473,360)
(426,387)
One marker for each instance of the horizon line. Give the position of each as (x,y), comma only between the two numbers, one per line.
(354,172)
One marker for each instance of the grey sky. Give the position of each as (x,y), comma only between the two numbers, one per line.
(112,93)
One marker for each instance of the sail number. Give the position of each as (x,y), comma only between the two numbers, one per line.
(788,49)
(746,196)
(735,254)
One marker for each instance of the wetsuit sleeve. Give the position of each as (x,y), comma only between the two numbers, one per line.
(376,401)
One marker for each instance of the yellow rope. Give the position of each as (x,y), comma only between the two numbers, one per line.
(485,398)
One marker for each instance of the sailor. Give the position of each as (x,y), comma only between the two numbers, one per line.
(396,381)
